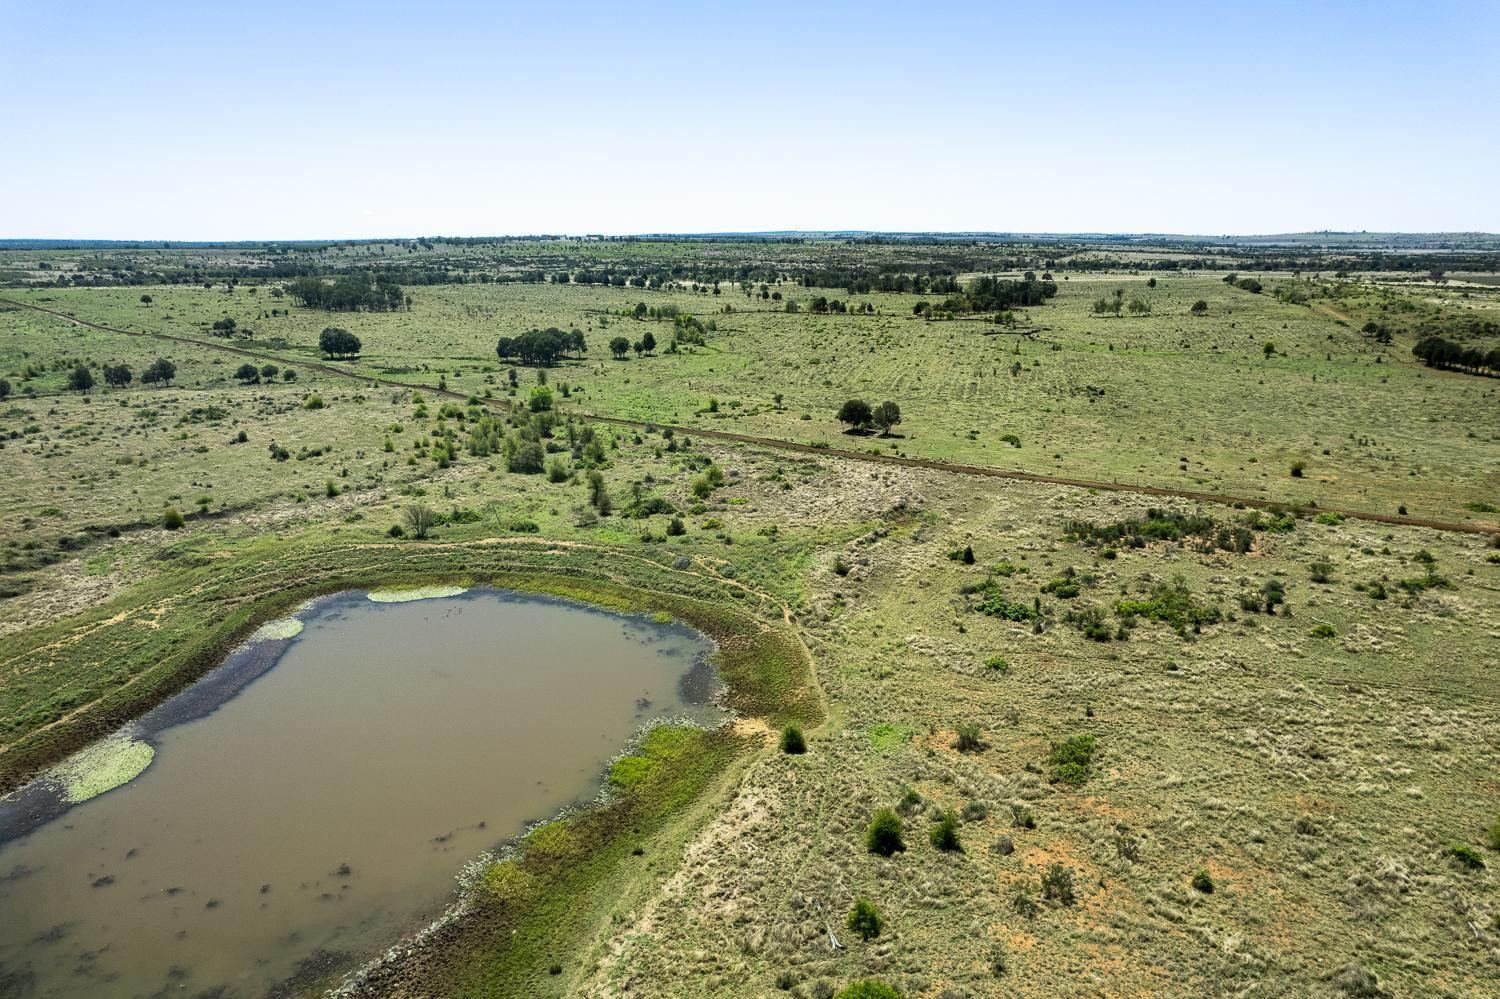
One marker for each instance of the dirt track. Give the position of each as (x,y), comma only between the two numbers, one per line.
(783,445)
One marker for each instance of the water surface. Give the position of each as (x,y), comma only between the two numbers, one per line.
(324,809)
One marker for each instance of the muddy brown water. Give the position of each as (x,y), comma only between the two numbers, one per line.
(313,800)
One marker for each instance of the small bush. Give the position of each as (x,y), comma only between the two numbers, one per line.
(1494,834)
(1071,759)
(944,835)
(171,519)
(864,920)
(1467,856)
(1021,817)
(969,739)
(792,742)
(884,835)
(1203,881)
(997,664)
(1323,631)
(1057,884)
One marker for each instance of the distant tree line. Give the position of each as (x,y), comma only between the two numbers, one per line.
(1435,352)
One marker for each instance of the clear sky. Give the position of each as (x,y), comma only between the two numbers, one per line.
(168,120)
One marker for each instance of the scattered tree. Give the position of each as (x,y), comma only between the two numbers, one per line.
(161,370)
(420,519)
(886,415)
(856,413)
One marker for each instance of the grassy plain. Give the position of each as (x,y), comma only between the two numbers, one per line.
(1167,399)
(1319,763)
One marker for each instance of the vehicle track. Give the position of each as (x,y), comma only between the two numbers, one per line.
(774,443)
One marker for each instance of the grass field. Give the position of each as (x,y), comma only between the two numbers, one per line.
(1300,707)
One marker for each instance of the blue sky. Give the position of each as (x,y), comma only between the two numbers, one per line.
(309,120)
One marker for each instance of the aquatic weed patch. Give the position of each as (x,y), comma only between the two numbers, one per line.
(407,594)
(104,766)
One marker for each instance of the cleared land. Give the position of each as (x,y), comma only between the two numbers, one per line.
(1320,762)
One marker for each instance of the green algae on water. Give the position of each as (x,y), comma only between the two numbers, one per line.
(397,596)
(102,767)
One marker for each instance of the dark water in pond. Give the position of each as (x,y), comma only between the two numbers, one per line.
(323,810)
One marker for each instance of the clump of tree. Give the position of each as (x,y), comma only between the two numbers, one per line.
(861,416)
(160,370)
(81,379)
(988,293)
(117,375)
(337,342)
(542,348)
(349,293)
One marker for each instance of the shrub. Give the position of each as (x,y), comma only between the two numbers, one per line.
(171,519)
(314,401)
(868,988)
(944,835)
(1203,881)
(884,835)
(1298,467)
(1071,759)
(1323,631)
(1494,834)
(419,519)
(969,739)
(864,920)
(1057,884)
(1021,817)
(1321,572)
(1466,855)
(676,528)
(1172,604)
(997,664)
(792,742)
